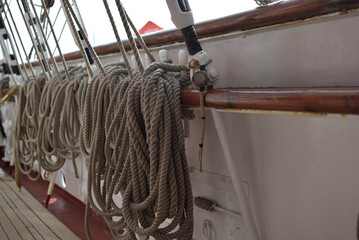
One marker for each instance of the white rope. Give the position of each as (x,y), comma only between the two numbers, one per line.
(128,125)
(133,140)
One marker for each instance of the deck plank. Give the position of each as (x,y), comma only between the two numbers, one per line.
(36,219)
(2,233)
(7,224)
(29,219)
(14,218)
(43,221)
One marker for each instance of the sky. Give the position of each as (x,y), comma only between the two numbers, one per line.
(99,29)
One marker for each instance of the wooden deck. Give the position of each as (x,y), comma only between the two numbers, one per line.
(23,217)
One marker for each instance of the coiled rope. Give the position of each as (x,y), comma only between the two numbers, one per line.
(26,128)
(132,137)
(59,122)
(128,125)
(134,132)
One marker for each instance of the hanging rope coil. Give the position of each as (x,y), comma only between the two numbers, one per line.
(137,152)
(60,123)
(133,140)
(27,126)
(128,126)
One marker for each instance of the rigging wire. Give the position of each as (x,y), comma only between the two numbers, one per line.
(55,39)
(38,48)
(17,46)
(19,39)
(42,34)
(70,12)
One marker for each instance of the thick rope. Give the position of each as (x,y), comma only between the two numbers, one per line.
(119,42)
(17,169)
(41,113)
(135,133)
(46,128)
(60,123)
(132,138)
(128,125)
(265,2)
(124,18)
(26,128)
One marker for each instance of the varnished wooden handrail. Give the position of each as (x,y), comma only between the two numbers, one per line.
(281,12)
(342,100)
(315,100)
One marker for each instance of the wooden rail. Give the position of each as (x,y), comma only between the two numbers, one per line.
(316,100)
(343,100)
(281,12)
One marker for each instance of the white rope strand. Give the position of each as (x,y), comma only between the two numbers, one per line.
(56,42)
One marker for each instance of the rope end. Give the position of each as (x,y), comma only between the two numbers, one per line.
(200,157)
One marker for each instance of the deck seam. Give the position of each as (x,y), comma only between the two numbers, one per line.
(40,219)
(19,213)
(3,230)
(9,221)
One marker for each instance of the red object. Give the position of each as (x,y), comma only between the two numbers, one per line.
(150,27)
(11,169)
(46,202)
